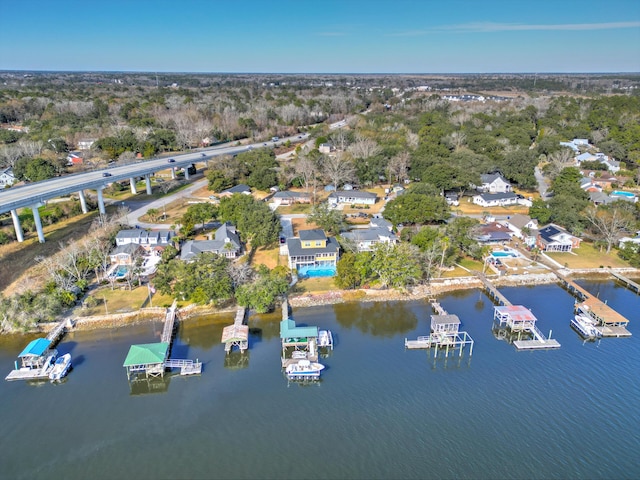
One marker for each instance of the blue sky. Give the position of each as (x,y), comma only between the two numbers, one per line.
(325,36)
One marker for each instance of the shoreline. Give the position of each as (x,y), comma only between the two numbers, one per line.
(435,288)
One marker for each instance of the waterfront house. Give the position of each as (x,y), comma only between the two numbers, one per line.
(494,183)
(149,240)
(7,178)
(312,248)
(365,239)
(225,242)
(523,227)
(126,254)
(635,241)
(492,233)
(553,238)
(352,197)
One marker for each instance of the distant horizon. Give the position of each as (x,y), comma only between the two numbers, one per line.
(167,72)
(288,36)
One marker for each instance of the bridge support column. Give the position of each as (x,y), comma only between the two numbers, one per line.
(132,181)
(38,222)
(101,202)
(173,173)
(147,179)
(16,225)
(186,172)
(83,201)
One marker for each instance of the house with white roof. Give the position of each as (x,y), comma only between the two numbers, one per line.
(378,231)
(352,197)
(495,199)
(148,239)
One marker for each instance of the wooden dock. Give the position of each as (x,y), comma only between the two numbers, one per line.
(609,322)
(169,323)
(493,292)
(29,373)
(630,284)
(237,334)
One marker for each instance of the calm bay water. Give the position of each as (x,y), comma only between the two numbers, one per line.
(379,411)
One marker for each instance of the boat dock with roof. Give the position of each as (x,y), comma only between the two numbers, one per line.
(445,334)
(608,322)
(236,335)
(37,358)
(152,359)
(519,320)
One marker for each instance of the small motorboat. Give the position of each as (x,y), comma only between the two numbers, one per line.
(303,370)
(585,326)
(61,367)
(325,339)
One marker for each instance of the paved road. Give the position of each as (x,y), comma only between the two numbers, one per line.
(543,185)
(133,217)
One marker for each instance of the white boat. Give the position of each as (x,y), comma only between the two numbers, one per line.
(61,367)
(304,369)
(298,354)
(325,339)
(585,326)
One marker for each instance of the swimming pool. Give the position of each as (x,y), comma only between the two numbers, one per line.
(310,271)
(502,253)
(620,193)
(120,271)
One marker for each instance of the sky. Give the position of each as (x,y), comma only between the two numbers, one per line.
(321,36)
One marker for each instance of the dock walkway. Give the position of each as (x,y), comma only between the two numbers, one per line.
(630,284)
(169,323)
(237,334)
(494,293)
(609,322)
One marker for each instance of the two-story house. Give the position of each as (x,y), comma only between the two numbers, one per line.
(378,231)
(312,248)
(494,183)
(553,238)
(6,177)
(523,227)
(225,242)
(149,240)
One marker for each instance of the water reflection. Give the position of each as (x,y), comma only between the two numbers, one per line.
(145,386)
(380,319)
(236,360)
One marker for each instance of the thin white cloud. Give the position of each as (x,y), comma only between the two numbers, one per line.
(488,27)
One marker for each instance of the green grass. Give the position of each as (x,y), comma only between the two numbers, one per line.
(316,285)
(117,301)
(471,264)
(588,257)
(295,208)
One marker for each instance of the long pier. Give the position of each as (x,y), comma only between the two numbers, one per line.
(630,284)
(237,334)
(608,322)
(169,324)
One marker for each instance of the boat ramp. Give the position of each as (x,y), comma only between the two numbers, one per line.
(445,334)
(38,357)
(608,322)
(152,359)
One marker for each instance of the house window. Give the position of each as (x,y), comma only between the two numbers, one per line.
(307,244)
(318,244)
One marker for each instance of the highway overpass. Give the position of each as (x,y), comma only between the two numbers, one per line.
(34,195)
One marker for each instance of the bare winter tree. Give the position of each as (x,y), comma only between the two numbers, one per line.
(29,148)
(339,139)
(562,157)
(609,222)
(338,169)
(240,273)
(458,139)
(364,148)
(413,139)
(9,155)
(306,169)
(399,167)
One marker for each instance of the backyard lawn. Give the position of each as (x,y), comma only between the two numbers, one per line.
(316,285)
(117,301)
(588,257)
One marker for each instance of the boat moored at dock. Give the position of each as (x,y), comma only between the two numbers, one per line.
(304,370)
(585,326)
(61,367)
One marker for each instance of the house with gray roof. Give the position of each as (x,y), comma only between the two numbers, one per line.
(126,254)
(494,183)
(225,242)
(365,239)
(147,239)
(312,248)
(495,199)
(244,189)
(7,178)
(289,197)
(352,197)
